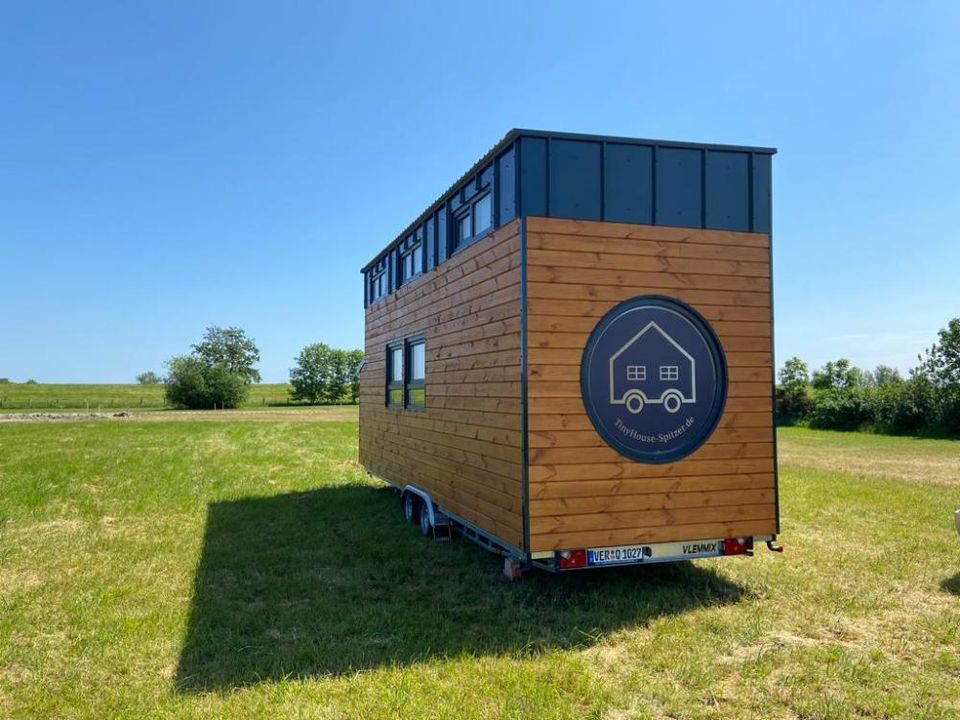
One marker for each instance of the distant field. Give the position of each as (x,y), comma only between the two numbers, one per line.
(20,397)
(159,566)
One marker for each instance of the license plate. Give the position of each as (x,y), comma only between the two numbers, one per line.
(615,555)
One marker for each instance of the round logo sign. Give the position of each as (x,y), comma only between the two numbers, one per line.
(653,379)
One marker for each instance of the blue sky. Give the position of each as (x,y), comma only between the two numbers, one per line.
(167,166)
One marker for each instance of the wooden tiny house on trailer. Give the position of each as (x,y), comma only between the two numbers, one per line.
(569,355)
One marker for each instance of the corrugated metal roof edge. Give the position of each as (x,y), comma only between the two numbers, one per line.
(513,134)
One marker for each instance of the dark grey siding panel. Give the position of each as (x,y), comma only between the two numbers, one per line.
(443,244)
(431,241)
(762,184)
(393,277)
(727,190)
(533,176)
(486,176)
(679,187)
(507,179)
(628,183)
(575,183)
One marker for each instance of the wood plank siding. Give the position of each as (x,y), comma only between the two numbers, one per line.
(582,492)
(465,447)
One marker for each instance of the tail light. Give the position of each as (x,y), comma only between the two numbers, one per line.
(570,559)
(737,546)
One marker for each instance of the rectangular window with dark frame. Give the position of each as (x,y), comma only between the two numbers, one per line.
(475,219)
(378,280)
(395,390)
(411,259)
(482,214)
(416,374)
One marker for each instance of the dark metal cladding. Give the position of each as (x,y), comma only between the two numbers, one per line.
(679,187)
(593,177)
(533,176)
(576,179)
(628,183)
(728,190)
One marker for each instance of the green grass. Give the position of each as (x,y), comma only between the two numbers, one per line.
(20,397)
(249,569)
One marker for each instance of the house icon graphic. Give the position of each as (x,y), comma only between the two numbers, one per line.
(652,369)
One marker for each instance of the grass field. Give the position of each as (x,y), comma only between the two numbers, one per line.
(210,569)
(20,397)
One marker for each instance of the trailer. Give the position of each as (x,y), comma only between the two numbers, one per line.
(569,354)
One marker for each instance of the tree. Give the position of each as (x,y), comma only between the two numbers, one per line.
(149,378)
(941,362)
(794,375)
(31,381)
(886,375)
(837,375)
(4,381)
(326,374)
(217,373)
(940,366)
(192,382)
(354,363)
(231,348)
(312,375)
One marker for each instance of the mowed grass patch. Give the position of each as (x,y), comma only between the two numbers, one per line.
(250,569)
(919,460)
(20,397)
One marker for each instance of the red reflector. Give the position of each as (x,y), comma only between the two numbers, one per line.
(568,559)
(735,546)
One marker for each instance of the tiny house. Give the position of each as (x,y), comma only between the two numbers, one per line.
(569,354)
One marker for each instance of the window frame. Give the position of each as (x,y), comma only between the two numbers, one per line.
(411,383)
(468,212)
(641,373)
(391,385)
(408,250)
(377,281)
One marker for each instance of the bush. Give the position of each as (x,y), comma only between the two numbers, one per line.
(31,381)
(4,381)
(149,378)
(841,409)
(793,406)
(904,408)
(194,383)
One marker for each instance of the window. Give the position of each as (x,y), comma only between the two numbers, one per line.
(476,219)
(378,280)
(636,372)
(463,230)
(669,372)
(407,374)
(395,375)
(411,258)
(417,373)
(482,215)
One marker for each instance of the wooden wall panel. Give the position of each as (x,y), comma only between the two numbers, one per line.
(465,448)
(582,492)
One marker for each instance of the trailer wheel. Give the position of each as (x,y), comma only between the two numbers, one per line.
(672,401)
(425,526)
(409,505)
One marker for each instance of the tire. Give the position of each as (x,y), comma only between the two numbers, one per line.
(672,401)
(425,527)
(410,504)
(637,397)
